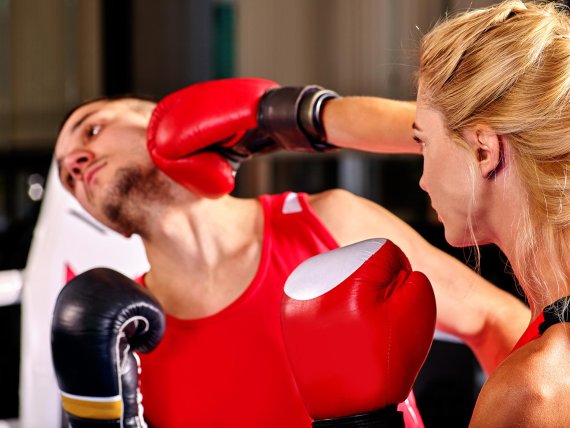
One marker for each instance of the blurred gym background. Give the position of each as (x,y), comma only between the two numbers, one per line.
(56,53)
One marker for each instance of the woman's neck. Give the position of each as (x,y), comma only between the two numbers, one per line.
(542,281)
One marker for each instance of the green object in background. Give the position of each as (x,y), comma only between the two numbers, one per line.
(223,40)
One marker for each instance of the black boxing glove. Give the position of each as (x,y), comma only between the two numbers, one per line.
(101,318)
(289,118)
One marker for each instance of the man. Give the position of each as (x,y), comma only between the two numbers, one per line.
(210,258)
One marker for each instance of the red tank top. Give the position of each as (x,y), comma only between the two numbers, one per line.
(230,369)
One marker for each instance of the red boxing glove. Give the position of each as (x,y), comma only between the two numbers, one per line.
(200,134)
(189,120)
(358,324)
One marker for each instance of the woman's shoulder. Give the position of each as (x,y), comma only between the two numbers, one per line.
(531,387)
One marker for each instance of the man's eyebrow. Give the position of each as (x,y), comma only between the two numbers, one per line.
(416,127)
(83,119)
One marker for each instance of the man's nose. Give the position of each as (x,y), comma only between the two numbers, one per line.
(76,163)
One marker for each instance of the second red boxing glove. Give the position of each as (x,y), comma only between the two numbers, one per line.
(357,324)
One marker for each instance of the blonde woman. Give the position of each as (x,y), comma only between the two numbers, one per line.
(493,123)
(493,118)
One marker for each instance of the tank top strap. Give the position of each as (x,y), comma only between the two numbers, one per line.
(530,333)
(552,314)
(555,313)
(290,218)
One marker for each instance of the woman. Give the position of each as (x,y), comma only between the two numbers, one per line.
(493,120)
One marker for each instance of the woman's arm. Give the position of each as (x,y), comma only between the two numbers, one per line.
(488,319)
(371,124)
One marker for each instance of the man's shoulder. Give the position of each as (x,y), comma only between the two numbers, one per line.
(340,208)
(333,200)
(351,218)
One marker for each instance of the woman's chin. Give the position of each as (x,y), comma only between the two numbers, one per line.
(458,240)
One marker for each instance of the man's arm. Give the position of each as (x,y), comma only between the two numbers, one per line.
(488,319)
(370,124)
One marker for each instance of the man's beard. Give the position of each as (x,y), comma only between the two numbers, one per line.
(129,203)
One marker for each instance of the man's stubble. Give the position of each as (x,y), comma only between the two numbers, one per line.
(130,202)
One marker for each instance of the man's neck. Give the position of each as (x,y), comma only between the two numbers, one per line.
(203,254)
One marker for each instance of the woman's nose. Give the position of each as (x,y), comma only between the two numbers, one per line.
(76,163)
(423,183)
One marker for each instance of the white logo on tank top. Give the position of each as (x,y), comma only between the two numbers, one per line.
(292,204)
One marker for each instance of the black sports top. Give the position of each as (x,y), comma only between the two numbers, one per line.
(554,313)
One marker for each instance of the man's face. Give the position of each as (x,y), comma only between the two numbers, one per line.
(102,159)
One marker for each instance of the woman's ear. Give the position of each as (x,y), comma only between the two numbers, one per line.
(488,149)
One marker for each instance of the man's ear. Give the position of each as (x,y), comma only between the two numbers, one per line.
(488,149)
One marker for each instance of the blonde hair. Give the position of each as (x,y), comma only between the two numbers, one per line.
(508,67)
